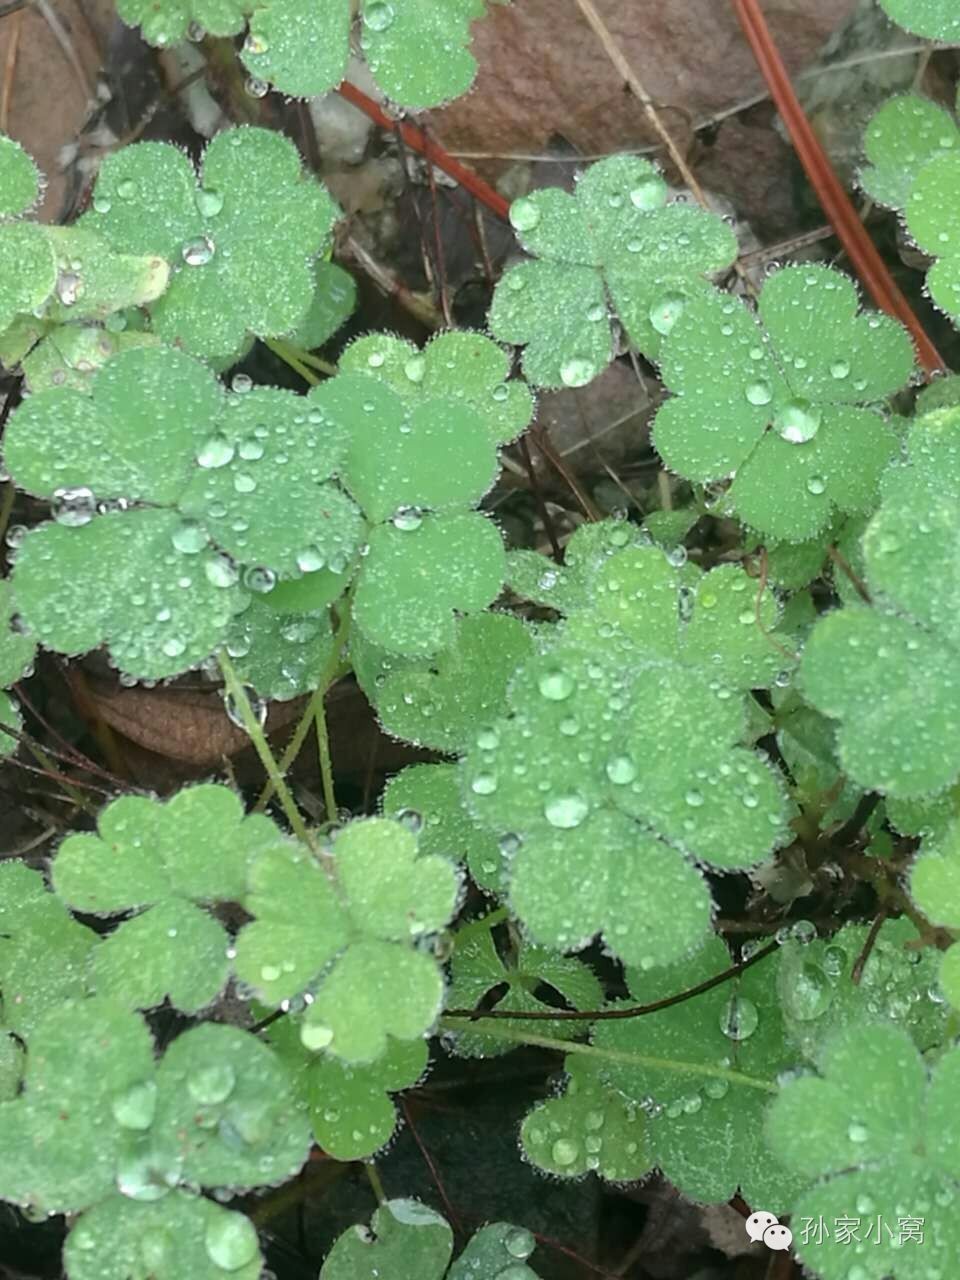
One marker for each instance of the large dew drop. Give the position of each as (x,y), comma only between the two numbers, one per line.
(556,686)
(73,507)
(378,15)
(524,214)
(198,251)
(576,372)
(565,811)
(798,421)
(739,1018)
(231,1241)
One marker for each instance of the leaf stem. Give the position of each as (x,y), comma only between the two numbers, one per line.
(624,1056)
(291,356)
(323,754)
(259,739)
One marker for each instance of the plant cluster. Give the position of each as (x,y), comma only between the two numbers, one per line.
(610,743)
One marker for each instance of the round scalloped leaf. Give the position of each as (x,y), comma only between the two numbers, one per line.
(16,650)
(394,36)
(395,446)
(71,355)
(241,241)
(28,269)
(589,245)
(934,19)
(498,1249)
(93,282)
(45,954)
(350,1108)
(459,365)
(934,222)
(227,1110)
(705,1126)
(935,878)
(334,301)
(884,1150)
(779,407)
(950,975)
(134,436)
(164,22)
(299,46)
(196,846)
(64,1140)
(173,952)
(181,1235)
(589,1128)
(432,791)
(571,585)
(280,655)
(406,1241)
(19,179)
(414,578)
(901,137)
(116,581)
(440,702)
(610,876)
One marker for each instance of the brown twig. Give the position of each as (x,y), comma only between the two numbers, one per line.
(856,973)
(538,498)
(863,253)
(844,565)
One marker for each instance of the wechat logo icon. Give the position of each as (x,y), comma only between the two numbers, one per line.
(766,1227)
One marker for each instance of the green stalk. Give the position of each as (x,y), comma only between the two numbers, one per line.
(237,692)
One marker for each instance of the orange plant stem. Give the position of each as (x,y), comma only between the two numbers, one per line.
(417,140)
(867,262)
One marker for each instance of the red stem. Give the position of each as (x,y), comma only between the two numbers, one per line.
(867,262)
(417,140)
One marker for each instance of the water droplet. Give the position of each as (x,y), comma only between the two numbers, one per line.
(803,931)
(524,214)
(857,1132)
(198,251)
(257,705)
(221,571)
(500,392)
(798,421)
(647,194)
(241,383)
(509,844)
(677,556)
(134,1108)
(406,519)
(315,1036)
(215,452)
(68,287)
(211,1084)
(717,1087)
(576,372)
(834,961)
(255,44)
(621,770)
(556,685)
(378,15)
(739,1018)
(840,369)
(816,485)
(519,1243)
(73,507)
(665,313)
(565,1151)
(209,202)
(484,784)
(759,392)
(260,579)
(189,537)
(412,819)
(126,189)
(256,87)
(565,811)
(694,798)
(231,1241)
(807,993)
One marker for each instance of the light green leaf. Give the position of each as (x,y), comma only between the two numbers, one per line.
(71,354)
(45,954)
(166,22)
(459,365)
(935,19)
(776,407)
(181,1235)
(93,282)
(226,1110)
(16,650)
(587,246)
(65,1147)
(887,1152)
(498,1249)
(414,578)
(28,269)
(19,179)
(444,701)
(571,585)
(935,877)
(280,655)
(334,300)
(241,239)
(934,222)
(950,975)
(405,1240)
(350,1108)
(901,137)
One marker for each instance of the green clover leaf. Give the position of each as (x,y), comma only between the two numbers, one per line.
(934,223)
(16,650)
(349,1106)
(779,407)
(167,858)
(280,655)
(28,269)
(935,888)
(350,933)
(72,354)
(598,831)
(191,479)
(241,237)
(570,586)
(477,968)
(703,1127)
(19,179)
(334,301)
(888,1153)
(899,711)
(934,19)
(906,133)
(45,955)
(430,794)
(439,702)
(181,1235)
(587,247)
(301,47)
(459,365)
(164,22)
